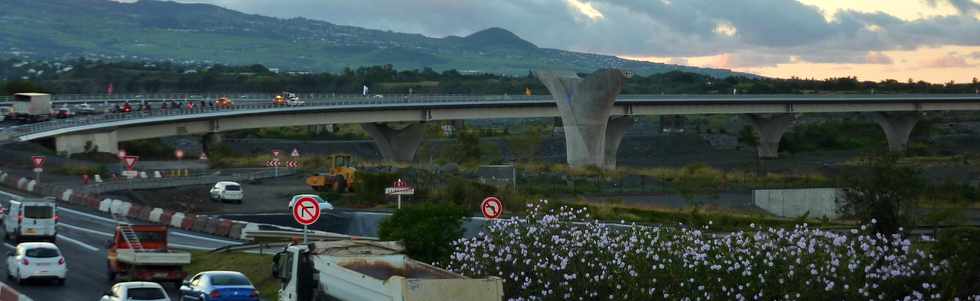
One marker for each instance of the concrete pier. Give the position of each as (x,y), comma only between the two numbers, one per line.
(396,144)
(770,128)
(897,127)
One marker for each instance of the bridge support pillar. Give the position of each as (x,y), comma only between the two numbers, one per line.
(210,140)
(614,136)
(396,144)
(584,106)
(897,127)
(105,142)
(770,128)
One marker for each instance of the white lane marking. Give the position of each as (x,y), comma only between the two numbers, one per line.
(78,242)
(86,230)
(205,238)
(104,219)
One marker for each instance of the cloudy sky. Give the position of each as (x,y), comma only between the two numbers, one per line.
(934,40)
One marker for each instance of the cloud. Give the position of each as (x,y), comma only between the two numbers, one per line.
(975,55)
(879,58)
(678,61)
(748,60)
(949,60)
(771,30)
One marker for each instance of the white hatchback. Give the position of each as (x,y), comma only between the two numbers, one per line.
(143,291)
(36,260)
(227,191)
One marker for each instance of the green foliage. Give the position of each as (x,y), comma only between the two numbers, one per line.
(881,190)
(958,246)
(148,149)
(525,145)
(842,135)
(463,192)
(747,136)
(370,187)
(466,149)
(22,86)
(427,230)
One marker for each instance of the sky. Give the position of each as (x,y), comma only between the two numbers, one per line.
(932,40)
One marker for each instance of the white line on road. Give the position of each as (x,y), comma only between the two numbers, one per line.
(79,243)
(85,230)
(105,219)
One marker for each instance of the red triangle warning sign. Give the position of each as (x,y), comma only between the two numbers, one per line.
(130,161)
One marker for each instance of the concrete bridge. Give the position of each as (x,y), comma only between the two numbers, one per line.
(594,116)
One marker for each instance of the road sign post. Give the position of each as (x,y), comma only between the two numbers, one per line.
(130,162)
(275,158)
(400,188)
(492,207)
(38,166)
(306,211)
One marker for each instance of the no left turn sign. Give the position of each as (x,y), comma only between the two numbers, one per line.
(306,211)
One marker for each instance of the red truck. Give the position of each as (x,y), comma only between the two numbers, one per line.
(139,252)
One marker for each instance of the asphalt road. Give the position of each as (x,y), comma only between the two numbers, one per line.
(82,236)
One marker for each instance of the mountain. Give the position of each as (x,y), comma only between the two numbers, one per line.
(160,30)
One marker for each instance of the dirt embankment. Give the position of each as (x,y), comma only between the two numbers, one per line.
(189,199)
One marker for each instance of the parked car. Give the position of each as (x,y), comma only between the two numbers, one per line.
(36,260)
(227,191)
(219,286)
(142,291)
(31,218)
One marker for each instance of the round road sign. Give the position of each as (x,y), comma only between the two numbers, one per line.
(492,207)
(306,211)
(179,153)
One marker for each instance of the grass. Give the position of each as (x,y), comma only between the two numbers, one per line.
(720,219)
(258,268)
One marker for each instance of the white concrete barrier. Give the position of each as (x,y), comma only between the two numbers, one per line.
(156,174)
(98,179)
(177,219)
(3,177)
(143,175)
(814,202)
(30,185)
(155,215)
(21,182)
(9,293)
(121,207)
(66,196)
(105,205)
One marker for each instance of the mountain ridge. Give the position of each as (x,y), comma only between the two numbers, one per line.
(165,30)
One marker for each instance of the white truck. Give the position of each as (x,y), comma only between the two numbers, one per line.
(368,270)
(30,107)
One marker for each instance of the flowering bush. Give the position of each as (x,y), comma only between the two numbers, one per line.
(557,254)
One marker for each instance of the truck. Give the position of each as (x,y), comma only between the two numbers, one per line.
(371,270)
(140,253)
(30,107)
(341,177)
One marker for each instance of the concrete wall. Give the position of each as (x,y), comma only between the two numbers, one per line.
(820,202)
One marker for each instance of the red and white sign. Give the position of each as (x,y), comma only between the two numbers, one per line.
(306,211)
(121,154)
(492,207)
(292,164)
(203,156)
(401,188)
(38,161)
(179,153)
(276,152)
(130,161)
(273,163)
(295,153)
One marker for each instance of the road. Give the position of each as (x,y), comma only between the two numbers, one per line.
(82,236)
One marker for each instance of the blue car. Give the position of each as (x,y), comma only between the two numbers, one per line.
(218,286)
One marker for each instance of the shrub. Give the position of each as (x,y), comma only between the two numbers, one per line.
(370,187)
(427,230)
(560,254)
(882,191)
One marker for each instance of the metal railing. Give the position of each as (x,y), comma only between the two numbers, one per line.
(165,182)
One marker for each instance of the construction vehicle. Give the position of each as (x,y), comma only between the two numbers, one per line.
(279,100)
(31,107)
(371,270)
(341,176)
(223,103)
(140,253)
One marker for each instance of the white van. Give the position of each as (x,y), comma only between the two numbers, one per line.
(33,219)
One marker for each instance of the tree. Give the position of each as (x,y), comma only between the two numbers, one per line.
(882,191)
(22,86)
(427,230)
(525,145)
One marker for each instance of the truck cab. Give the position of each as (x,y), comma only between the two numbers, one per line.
(370,270)
(31,219)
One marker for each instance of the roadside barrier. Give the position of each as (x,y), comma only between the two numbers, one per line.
(223,227)
(188,223)
(200,224)
(105,205)
(9,294)
(166,216)
(30,185)
(177,220)
(155,215)
(236,229)
(66,196)
(21,183)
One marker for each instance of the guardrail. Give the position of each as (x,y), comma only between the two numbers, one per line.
(154,183)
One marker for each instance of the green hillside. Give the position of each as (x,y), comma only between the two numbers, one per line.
(156,30)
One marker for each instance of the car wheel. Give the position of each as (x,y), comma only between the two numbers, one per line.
(20,281)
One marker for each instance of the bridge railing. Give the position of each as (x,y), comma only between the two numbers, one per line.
(355,100)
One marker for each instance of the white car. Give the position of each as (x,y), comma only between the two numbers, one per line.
(36,260)
(227,191)
(143,291)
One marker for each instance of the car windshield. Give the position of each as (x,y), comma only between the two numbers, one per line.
(233,188)
(42,253)
(229,279)
(38,211)
(145,293)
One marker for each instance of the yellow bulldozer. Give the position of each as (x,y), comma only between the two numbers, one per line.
(341,177)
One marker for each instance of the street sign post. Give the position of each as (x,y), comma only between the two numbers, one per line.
(400,188)
(179,153)
(306,212)
(275,157)
(492,207)
(38,166)
(295,153)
